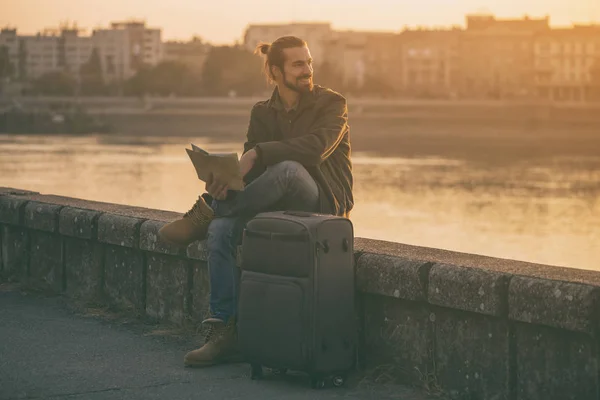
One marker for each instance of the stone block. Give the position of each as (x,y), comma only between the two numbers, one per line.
(150,241)
(392,276)
(46,261)
(11,209)
(42,216)
(200,291)
(167,287)
(14,252)
(397,339)
(198,251)
(469,289)
(119,230)
(83,268)
(554,364)
(124,277)
(78,223)
(572,306)
(472,355)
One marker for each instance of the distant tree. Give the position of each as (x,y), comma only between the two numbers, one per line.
(92,81)
(55,83)
(164,79)
(232,68)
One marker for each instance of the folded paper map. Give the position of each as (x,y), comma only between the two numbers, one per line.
(223,166)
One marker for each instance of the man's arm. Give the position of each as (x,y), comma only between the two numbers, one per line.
(315,146)
(248,167)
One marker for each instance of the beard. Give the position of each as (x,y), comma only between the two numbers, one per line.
(298,87)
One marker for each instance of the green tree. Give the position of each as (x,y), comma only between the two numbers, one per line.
(55,84)
(232,68)
(164,79)
(92,81)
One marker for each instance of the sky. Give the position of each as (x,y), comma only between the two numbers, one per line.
(224,21)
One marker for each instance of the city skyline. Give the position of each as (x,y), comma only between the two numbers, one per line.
(186,18)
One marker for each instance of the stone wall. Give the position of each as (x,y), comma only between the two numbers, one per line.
(466,326)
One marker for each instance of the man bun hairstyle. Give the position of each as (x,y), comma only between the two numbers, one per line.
(274,52)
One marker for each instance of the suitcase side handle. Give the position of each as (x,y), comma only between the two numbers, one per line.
(285,237)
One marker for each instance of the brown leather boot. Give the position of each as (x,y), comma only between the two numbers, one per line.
(191,227)
(220,345)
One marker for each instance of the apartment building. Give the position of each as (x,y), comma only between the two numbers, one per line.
(315,34)
(430,62)
(496,56)
(567,63)
(123,49)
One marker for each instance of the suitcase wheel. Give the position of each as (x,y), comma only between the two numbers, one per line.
(257,372)
(338,381)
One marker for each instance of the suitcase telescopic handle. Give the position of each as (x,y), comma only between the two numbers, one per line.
(286,237)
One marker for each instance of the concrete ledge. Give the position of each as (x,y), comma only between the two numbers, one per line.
(392,276)
(45,261)
(6,191)
(11,209)
(554,364)
(469,289)
(119,230)
(84,269)
(42,216)
(14,252)
(78,223)
(197,251)
(472,326)
(167,288)
(571,306)
(150,241)
(124,278)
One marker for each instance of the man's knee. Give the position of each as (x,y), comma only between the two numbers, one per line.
(288,169)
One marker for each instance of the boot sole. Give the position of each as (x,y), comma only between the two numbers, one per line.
(176,244)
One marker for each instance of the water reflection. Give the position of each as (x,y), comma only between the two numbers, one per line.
(546,212)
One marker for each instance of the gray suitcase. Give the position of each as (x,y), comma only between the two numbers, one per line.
(296,304)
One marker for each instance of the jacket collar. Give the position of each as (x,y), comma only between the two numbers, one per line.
(306,99)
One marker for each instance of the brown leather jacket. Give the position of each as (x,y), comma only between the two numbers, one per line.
(317,137)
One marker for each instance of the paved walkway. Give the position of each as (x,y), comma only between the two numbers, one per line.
(48,351)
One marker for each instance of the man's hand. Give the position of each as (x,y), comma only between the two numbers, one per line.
(247,161)
(216,188)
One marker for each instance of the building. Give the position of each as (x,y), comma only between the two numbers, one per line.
(126,47)
(10,41)
(73,51)
(315,34)
(383,62)
(123,49)
(343,64)
(496,56)
(430,63)
(192,53)
(567,64)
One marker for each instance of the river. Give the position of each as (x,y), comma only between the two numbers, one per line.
(543,210)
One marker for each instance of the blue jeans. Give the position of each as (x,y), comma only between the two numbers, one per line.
(283,186)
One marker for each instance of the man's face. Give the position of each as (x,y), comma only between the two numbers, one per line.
(297,70)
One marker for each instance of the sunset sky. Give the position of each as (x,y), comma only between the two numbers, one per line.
(223,21)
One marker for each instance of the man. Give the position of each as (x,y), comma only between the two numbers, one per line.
(296,157)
